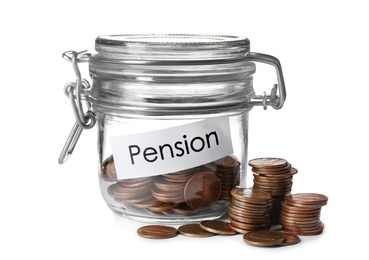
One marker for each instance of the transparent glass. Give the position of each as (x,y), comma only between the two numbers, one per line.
(142,83)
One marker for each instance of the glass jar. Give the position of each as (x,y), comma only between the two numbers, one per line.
(172,121)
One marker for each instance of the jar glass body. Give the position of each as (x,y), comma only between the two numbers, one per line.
(145,85)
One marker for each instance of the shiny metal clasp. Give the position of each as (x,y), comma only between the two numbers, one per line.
(278,93)
(77,92)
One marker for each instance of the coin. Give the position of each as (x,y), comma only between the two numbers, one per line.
(253,220)
(268,162)
(306,206)
(184,209)
(169,186)
(161,206)
(157,231)
(244,227)
(194,230)
(264,238)
(275,170)
(131,183)
(308,199)
(166,196)
(109,170)
(251,195)
(227,162)
(298,210)
(217,227)
(289,239)
(202,190)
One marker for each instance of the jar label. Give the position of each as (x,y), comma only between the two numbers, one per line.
(171,149)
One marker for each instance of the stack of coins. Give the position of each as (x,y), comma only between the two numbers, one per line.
(170,187)
(273,175)
(227,170)
(249,210)
(135,192)
(300,213)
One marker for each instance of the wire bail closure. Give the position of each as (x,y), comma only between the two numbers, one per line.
(76,92)
(274,100)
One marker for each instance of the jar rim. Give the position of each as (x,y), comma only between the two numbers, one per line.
(171,47)
(170,38)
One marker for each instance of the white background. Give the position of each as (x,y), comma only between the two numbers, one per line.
(52,211)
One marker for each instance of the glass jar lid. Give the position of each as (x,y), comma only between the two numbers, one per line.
(183,47)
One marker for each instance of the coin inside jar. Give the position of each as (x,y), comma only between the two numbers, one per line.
(202,190)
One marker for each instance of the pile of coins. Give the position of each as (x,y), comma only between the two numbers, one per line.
(135,192)
(273,175)
(170,187)
(253,210)
(249,210)
(185,192)
(210,228)
(300,213)
(227,170)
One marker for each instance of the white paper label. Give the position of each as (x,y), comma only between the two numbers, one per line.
(171,149)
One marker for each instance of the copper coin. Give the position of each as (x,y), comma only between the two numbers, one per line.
(161,206)
(131,183)
(144,203)
(298,216)
(306,206)
(273,183)
(262,220)
(298,223)
(154,212)
(264,238)
(202,190)
(251,195)
(237,204)
(227,162)
(181,176)
(308,198)
(157,231)
(248,212)
(166,185)
(274,176)
(109,170)
(217,227)
(289,239)
(268,162)
(316,231)
(274,170)
(194,230)
(131,193)
(238,230)
(173,197)
(184,209)
(298,210)
(248,226)
(313,230)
